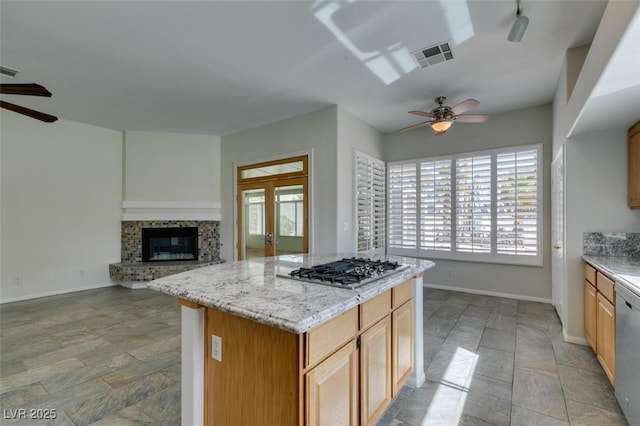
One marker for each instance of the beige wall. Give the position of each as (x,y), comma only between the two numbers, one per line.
(61,188)
(595,163)
(172,167)
(313,132)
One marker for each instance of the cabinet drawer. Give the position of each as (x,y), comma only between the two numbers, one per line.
(375,309)
(328,337)
(606,287)
(402,293)
(590,273)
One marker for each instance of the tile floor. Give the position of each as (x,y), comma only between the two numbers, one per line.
(112,357)
(496,361)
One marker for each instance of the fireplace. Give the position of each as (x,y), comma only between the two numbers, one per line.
(169,244)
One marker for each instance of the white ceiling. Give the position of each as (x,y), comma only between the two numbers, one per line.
(220,67)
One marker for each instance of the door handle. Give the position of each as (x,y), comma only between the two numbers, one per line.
(557,247)
(268,238)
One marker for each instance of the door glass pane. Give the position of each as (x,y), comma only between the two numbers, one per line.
(253,221)
(289,235)
(275,169)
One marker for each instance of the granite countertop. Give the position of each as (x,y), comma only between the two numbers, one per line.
(623,270)
(251,289)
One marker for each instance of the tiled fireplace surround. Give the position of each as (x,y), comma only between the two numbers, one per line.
(131,269)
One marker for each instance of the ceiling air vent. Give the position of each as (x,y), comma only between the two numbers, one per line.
(431,55)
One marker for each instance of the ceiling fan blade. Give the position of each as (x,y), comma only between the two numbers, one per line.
(415,126)
(29,89)
(472,118)
(465,106)
(422,113)
(28,112)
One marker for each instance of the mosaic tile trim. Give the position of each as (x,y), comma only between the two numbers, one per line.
(617,244)
(208,238)
(144,272)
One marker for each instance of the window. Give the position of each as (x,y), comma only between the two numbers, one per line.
(255,214)
(290,214)
(481,206)
(370,202)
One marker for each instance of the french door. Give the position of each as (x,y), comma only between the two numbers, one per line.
(273,208)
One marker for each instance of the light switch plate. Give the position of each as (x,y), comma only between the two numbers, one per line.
(216,347)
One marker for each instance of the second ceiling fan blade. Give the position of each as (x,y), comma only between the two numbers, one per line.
(47,118)
(415,126)
(422,113)
(29,89)
(465,106)
(472,118)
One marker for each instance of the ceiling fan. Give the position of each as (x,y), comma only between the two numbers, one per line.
(442,117)
(28,89)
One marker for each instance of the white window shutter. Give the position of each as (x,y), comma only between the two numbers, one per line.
(435,205)
(403,206)
(473,204)
(517,202)
(370,202)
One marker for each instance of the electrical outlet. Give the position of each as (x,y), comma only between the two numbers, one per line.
(216,347)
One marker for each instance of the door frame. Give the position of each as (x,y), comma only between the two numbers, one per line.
(309,193)
(558,226)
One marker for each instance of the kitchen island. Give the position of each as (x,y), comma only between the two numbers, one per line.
(258,346)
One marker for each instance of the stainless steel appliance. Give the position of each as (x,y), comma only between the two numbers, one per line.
(628,352)
(347,272)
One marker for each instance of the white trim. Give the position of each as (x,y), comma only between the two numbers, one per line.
(170,205)
(56,292)
(574,339)
(170,216)
(192,366)
(133,285)
(488,293)
(418,376)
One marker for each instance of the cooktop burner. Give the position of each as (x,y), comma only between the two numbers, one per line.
(346,273)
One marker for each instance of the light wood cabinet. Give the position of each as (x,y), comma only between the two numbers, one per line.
(590,313)
(343,372)
(332,389)
(606,337)
(633,166)
(600,318)
(401,346)
(375,371)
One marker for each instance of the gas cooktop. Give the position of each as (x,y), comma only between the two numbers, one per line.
(347,272)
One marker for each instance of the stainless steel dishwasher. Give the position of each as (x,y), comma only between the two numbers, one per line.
(628,352)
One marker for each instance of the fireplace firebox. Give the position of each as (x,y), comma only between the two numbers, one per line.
(169,244)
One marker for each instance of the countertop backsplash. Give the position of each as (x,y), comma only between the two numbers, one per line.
(616,244)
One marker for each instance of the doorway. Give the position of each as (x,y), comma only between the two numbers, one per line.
(273,206)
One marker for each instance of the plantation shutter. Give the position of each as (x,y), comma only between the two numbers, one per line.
(403,206)
(517,202)
(370,202)
(435,205)
(473,204)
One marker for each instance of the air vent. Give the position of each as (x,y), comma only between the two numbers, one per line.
(431,55)
(8,71)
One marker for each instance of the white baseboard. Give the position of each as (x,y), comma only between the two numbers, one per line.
(488,293)
(574,339)
(133,285)
(56,292)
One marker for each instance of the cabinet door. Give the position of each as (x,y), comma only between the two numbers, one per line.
(606,337)
(402,345)
(375,371)
(332,389)
(590,313)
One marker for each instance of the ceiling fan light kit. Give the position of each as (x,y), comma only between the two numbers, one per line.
(519,26)
(441,126)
